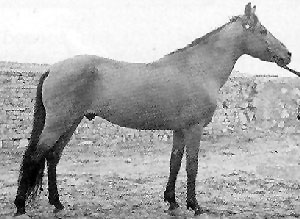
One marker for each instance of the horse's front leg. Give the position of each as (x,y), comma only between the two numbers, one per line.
(192,138)
(175,163)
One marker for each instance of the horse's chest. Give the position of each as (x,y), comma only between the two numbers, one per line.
(199,106)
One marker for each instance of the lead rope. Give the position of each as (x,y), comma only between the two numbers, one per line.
(292,70)
(296,73)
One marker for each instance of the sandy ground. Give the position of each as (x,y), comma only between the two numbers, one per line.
(239,177)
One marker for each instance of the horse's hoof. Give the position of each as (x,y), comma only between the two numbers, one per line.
(20,211)
(174,212)
(195,207)
(21,216)
(174,209)
(17,214)
(200,210)
(58,208)
(173,206)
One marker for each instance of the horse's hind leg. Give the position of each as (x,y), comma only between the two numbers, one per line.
(32,169)
(52,186)
(53,158)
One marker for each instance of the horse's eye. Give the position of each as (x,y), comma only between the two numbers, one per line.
(263,32)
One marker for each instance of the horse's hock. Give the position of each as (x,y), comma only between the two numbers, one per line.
(262,104)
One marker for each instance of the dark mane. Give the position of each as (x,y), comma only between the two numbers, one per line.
(205,37)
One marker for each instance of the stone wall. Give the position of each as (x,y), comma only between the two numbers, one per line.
(259,104)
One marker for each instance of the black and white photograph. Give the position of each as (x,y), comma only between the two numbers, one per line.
(166,109)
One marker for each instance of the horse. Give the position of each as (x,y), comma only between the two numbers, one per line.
(177,92)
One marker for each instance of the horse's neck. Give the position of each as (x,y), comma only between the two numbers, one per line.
(215,57)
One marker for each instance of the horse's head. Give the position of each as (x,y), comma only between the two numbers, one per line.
(259,42)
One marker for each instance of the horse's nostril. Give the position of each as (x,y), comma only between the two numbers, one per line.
(289,54)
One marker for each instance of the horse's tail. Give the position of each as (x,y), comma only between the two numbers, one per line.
(32,171)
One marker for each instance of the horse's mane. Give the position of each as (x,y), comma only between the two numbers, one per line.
(206,36)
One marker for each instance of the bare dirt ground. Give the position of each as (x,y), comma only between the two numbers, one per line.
(239,177)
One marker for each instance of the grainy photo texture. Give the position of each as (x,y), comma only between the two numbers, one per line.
(150,109)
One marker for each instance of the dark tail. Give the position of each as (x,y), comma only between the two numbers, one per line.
(31,172)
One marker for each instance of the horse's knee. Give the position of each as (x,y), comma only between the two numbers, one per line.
(52,157)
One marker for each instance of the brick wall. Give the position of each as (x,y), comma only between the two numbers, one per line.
(259,104)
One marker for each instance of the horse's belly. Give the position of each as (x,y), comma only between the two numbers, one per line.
(156,115)
(146,123)
(138,117)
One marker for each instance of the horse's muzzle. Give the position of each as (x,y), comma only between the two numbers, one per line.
(283,61)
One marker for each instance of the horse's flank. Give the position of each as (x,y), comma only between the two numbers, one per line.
(171,93)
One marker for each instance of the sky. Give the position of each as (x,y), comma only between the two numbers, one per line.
(39,31)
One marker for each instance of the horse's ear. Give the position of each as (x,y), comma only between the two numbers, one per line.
(248,10)
(254,17)
(253,9)
(250,14)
